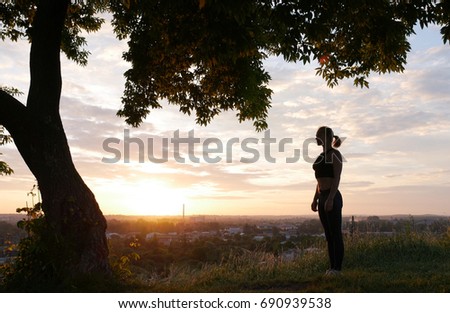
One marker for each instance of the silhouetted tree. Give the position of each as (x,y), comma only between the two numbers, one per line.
(205,56)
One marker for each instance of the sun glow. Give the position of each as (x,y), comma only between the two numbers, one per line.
(152,198)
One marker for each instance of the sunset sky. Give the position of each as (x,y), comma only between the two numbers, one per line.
(397,142)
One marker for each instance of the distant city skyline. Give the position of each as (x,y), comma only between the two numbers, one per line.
(396,146)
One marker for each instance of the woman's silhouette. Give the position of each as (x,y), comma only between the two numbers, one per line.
(327,198)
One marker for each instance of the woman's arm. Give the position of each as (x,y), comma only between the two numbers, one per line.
(316,197)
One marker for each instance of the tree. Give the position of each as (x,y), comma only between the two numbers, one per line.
(72,215)
(5,138)
(206,56)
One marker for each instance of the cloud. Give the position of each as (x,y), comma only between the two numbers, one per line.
(357,184)
(410,199)
(395,148)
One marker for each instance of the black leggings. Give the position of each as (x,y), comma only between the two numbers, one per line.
(332,225)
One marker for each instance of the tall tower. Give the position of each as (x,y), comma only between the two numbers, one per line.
(183,228)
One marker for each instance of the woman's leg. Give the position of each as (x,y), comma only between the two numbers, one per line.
(325,220)
(335,223)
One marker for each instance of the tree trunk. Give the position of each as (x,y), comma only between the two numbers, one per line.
(71,211)
(70,207)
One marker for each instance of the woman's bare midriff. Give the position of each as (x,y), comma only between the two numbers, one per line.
(324,182)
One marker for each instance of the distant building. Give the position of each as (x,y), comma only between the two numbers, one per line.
(164,239)
(132,234)
(234,230)
(113,235)
(258,238)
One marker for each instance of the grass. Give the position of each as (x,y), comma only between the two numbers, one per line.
(405,263)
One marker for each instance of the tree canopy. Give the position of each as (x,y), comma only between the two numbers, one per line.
(207,55)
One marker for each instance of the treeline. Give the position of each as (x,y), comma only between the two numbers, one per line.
(369,224)
(375,224)
(144,226)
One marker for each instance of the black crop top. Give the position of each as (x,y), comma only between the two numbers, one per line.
(323,166)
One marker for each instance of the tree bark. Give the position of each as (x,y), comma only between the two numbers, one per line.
(71,210)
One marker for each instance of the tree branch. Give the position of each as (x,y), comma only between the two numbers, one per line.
(45,66)
(12,112)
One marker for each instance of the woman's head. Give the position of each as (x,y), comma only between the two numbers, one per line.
(326,137)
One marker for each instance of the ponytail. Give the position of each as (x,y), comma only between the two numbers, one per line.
(337,141)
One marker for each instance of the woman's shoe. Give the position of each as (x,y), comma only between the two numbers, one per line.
(333,273)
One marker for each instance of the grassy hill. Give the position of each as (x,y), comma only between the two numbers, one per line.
(404,263)
(408,262)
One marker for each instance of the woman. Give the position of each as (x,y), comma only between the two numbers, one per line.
(327,198)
